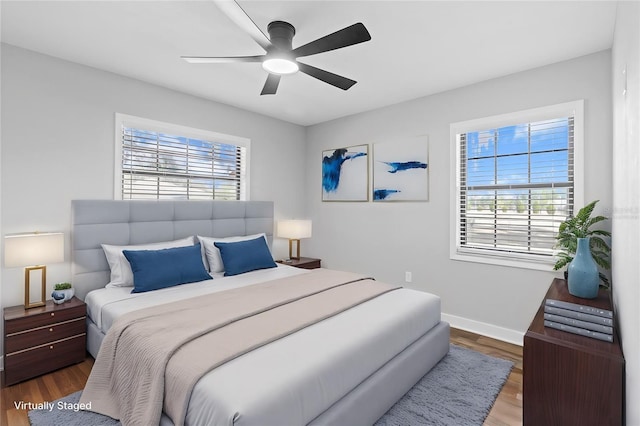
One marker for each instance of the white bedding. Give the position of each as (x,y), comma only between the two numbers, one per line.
(105,305)
(295,379)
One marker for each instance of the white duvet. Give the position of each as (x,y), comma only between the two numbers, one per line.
(295,379)
(105,305)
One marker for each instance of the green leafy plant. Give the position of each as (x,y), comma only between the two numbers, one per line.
(62,286)
(579,226)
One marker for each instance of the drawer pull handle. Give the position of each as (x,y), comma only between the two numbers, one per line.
(51,347)
(53,314)
(51,329)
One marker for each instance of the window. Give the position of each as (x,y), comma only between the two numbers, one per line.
(517,177)
(157,160)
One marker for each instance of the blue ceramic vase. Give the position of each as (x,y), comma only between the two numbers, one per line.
(584,279)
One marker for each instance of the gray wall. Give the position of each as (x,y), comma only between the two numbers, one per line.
(387,239)
(626,199)
(58,145)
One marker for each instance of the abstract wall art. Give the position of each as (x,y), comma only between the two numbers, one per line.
(345,174)
(401,170)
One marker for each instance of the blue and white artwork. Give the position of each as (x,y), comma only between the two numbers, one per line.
(345,174)
(401,170)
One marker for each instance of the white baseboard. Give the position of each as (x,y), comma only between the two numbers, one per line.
(495,332)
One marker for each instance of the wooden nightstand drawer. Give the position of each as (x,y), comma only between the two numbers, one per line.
(43,359)
(43,339)
(17,320)
(39,336)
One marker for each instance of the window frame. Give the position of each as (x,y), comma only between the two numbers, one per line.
(124,120)
(517,260)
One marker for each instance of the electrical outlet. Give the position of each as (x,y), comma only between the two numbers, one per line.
(407,277)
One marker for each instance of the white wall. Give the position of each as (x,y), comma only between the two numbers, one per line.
(58,145)
(626,195)
(387,239)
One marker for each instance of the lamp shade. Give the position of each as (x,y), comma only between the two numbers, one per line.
(33,249)
(294,229)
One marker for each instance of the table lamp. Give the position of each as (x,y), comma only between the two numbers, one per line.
(294,230)
(33,250)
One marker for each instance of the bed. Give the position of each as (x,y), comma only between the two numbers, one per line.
(349,368)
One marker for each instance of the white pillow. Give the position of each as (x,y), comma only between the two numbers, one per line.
(212,253)
(121,274)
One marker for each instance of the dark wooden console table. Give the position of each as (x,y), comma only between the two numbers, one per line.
(570,379)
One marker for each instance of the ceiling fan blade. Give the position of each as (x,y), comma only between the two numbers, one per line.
(233,10)
(271,85)
(221,60)
(354,34)
(326,76)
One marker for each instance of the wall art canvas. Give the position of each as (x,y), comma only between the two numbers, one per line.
(345,174)
(401,170)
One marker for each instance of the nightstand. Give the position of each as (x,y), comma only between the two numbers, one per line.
(303,262)
(43,339)
(569,379)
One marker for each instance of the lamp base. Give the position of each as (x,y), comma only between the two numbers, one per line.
(291,256)
(28,304)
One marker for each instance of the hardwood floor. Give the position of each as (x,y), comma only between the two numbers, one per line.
(44,388)
(507,409)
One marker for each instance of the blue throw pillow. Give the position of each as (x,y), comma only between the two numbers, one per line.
(244,256)
(156,269)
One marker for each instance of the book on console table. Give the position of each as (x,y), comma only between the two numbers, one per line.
(579,308)
(579,331)
(577,323)
(548,309)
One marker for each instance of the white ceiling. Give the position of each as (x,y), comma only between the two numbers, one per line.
(418,47)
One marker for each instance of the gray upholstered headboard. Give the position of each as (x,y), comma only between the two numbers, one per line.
(95,222)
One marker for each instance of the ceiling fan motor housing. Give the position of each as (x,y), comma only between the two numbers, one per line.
(281,34)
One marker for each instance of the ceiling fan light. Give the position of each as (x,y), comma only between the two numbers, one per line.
(280,66)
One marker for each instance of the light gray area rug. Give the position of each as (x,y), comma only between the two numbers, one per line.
(459,391)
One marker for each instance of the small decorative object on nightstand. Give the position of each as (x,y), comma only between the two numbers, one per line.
(303,262)
(62,292)
(43,339)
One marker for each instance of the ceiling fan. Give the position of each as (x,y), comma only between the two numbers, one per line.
(281,58)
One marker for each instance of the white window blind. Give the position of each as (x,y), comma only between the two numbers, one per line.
(167,165)
(516,185)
